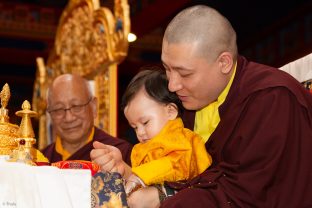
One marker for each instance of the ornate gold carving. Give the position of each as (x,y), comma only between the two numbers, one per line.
(89,36)
(8,131)
(106,92)
(5,95)
(101,83)
(39,101)
(90,41)
(82,53)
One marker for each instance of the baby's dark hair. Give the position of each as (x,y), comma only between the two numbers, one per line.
(155,82)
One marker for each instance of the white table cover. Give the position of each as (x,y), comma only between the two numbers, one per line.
(24,186)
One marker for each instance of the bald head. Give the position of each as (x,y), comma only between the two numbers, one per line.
(67,82)
(204,26)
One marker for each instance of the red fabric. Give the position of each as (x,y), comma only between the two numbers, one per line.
(78,164)
(260,150)
(84,152)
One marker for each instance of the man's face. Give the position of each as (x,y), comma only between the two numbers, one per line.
(75,126)
(197,81)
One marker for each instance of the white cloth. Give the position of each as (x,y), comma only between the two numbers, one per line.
(24,186)
(300,69)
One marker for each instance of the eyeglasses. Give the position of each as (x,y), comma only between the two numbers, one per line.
(75,110)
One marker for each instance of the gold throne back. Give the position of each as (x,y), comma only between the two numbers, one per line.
(90,41)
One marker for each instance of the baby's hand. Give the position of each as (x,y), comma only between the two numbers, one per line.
(108,158)
(133,183)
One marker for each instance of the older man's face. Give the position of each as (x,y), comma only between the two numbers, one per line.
(74,125)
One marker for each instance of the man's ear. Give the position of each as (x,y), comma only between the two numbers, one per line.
(172,111)
(94,106)
(225,62)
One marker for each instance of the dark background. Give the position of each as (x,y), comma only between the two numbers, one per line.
(269,32)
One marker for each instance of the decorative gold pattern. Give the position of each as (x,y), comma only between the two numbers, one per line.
(39,101)
(90,41)
(107,191)
(8,131)
(114,201)
(83,54)
(5,95)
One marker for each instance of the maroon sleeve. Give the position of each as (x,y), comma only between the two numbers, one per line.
(261,157)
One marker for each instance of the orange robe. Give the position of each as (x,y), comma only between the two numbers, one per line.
(175,154)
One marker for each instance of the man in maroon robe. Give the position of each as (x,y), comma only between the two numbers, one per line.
(73,109)
(259,125)
(260,148)
(262,145)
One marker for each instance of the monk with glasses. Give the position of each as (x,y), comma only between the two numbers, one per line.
(73,108)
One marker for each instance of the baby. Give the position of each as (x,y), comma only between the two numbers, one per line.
(167,151)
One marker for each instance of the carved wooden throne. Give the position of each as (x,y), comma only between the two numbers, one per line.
(90,41)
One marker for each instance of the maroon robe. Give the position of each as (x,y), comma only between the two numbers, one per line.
(261,149)
(84,152)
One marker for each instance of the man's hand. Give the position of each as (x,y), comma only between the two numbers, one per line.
(144,198)
(108,157)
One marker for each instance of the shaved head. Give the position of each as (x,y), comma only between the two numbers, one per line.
(67,80)
(204,26)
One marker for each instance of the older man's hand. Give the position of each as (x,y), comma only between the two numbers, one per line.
(109,158)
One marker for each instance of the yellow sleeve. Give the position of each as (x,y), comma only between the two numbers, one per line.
(172,155)
(165,161)
(156,171)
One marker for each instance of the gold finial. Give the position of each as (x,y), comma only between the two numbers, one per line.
(5,96)
(25,152)
(25,129)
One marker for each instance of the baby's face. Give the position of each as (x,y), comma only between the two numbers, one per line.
(147,116)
